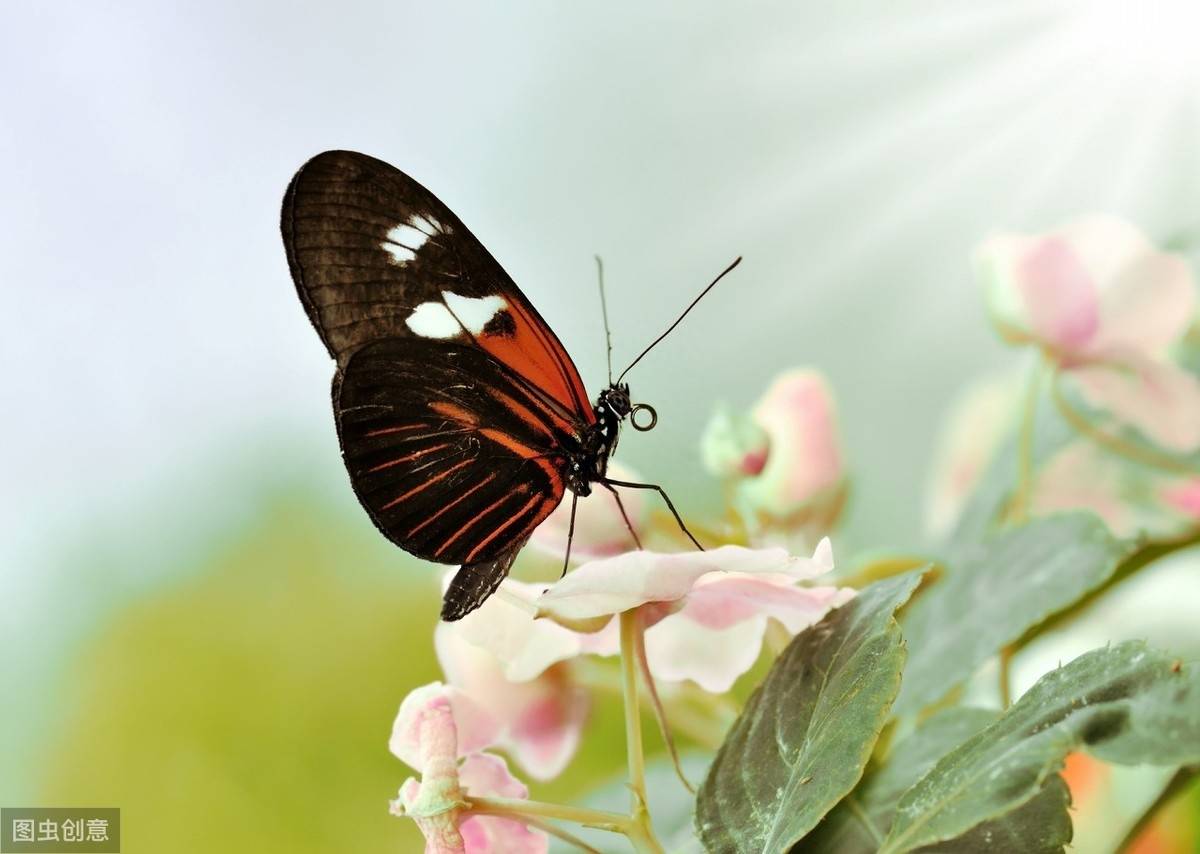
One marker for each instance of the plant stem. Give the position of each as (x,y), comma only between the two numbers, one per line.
(1020,505)
(556,831)
(520,808)
(691,713)
(640,832)
(1175,787)
(1005,664)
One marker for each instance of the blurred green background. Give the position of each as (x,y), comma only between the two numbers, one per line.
(197,622)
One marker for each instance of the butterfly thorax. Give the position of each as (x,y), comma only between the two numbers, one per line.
(590,463)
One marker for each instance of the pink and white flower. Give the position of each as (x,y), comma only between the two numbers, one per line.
(784,459)
(705,613)
(1105,305)
(517,667)
(1081,475)
(438,726)
(1131,499)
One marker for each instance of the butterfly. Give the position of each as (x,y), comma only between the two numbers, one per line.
(461,417)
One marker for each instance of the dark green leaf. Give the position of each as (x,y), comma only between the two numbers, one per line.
(805,736)
(1127,703)
(859,823)
(1041,825)
(993,592)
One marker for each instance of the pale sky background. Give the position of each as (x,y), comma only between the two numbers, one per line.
(854,153)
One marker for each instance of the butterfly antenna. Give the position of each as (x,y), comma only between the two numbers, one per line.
(679,320)
(604,312)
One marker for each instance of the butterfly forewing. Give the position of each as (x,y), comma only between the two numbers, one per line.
(375,255)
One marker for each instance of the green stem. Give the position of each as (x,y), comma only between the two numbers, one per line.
(1020,505)
(1112,442)
(696,718)
(1005,664)
(640,831)
(1176,786)
(556,831)
(522,808)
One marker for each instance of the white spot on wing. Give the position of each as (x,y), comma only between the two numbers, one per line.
(427,225)
(406,239)
(435,320)
(474,312)
(400,254)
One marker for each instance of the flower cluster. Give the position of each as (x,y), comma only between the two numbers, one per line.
(512,666)
(1103,310)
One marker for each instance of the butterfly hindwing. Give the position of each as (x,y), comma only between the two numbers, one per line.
(475,582)
(375,255)
(453,457)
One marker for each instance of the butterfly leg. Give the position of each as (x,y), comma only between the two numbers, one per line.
(570,534)
(607,484)
(678,520)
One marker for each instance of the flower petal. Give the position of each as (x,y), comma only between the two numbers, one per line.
(541,719)
(678,648)
(1149,305)
(617,584)
(803,454)
(1088,288)
(1061,298)
(1158,398)
(485,775)
(459,721)
(1184,497)
(1082,477)
(718,602)
(505,626)
(492,834)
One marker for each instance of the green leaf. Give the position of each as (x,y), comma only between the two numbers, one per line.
(995,591)
(1041,825)
(859,823)
(805,736)
(1126,704)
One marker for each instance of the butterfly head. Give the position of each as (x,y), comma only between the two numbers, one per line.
(614,402)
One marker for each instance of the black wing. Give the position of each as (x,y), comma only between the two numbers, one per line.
(452,457)
(375,255)
(475,582)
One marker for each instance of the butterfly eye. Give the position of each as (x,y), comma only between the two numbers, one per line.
(644,424)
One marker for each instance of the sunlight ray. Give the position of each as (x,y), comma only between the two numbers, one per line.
(1139,169)
(1015,76)
(835,260)
(918,38)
